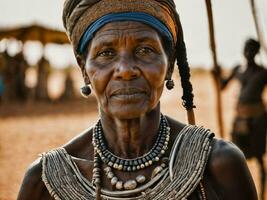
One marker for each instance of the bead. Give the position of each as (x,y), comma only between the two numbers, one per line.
(96,170)
(96,176)
(140,179)
(119,185)
(110,175)
(158,148)
(130,185)
(130,162)
(107,169)
(165,160)
(142,166)
(114,180)
(125,168)
(163,165)
(115,166)
(157,170)
(150,162)
(120,167)
(113,159)
(97,181)
(146,164)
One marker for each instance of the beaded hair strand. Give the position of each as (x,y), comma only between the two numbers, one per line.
(184,72)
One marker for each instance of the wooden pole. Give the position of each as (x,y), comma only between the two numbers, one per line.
(258,30)
(215,66)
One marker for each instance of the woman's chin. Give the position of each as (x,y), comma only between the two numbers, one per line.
(129,112)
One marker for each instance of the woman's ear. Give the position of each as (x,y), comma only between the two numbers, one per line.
(81,62)
(85,76)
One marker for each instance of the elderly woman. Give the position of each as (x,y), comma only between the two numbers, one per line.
(126,50)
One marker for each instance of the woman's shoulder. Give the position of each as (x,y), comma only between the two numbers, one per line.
(228,170)
(225,155)
(32,185)
(81,145)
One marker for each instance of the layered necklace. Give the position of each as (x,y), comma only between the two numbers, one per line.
(114,162)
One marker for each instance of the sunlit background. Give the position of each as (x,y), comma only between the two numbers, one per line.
(233,25)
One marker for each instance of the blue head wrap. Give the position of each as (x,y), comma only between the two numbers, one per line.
(127,16)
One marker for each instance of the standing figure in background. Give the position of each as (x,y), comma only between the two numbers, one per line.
(8,71)
(21,66)
(250,124)
(43,70)
(68,92)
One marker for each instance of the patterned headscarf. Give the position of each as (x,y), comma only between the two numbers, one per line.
(78,15)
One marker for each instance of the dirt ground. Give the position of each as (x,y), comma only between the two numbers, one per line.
(29,129)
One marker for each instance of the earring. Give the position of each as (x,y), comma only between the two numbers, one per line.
(85,91)
(169,84)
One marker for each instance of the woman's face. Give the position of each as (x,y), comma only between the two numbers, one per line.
(126,65)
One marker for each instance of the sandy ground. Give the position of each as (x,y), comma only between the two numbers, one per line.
(29,129)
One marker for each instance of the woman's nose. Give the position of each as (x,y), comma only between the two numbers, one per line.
(126,69)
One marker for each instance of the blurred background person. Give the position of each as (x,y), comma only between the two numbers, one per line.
(43,71)
(250,124)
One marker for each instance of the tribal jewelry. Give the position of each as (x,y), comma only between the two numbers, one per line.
(133,183)
(115,162)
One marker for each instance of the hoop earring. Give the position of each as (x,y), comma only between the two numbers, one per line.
(169,84)
(85,91)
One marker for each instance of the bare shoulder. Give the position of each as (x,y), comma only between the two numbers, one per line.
(81,145)
(32,186)
(228,170)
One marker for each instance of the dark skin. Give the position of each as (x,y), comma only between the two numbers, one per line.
(127,73)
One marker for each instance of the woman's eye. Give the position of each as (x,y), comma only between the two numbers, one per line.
(106,53)
(144,50)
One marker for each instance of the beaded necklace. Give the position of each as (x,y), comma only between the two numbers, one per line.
(113,161)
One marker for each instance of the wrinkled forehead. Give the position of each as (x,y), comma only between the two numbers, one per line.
(129,29)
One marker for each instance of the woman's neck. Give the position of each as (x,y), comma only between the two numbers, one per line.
(131,138)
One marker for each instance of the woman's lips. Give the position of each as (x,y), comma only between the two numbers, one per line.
(128,93)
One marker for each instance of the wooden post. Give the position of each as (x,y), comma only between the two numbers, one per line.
(258,30)
(215,66)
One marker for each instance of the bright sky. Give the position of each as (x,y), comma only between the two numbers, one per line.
(233,25)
